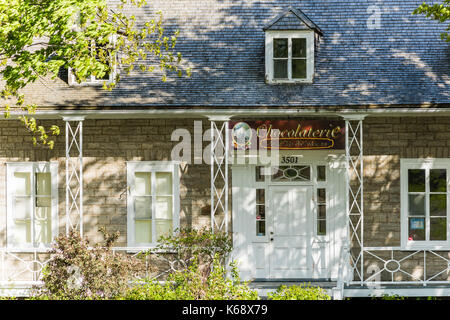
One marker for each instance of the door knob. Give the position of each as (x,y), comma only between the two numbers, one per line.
(271,239)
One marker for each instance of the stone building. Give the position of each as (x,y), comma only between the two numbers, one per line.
(319,136)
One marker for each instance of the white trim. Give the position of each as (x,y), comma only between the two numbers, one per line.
(421,163)
(305,34)
(228,112)
(151,166)
(32,168)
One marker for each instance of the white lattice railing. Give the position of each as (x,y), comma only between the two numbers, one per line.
(23,268)
(394,265)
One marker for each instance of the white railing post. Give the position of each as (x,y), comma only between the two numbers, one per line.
(219,172)
(355,191)
(74,173)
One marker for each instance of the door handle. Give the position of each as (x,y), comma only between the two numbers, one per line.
(271,239)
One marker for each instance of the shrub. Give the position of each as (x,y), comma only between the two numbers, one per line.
(190,284)
(301,292)
(78,271)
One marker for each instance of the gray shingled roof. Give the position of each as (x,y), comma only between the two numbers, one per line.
(403,62)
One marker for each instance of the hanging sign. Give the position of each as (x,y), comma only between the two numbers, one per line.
(288,134)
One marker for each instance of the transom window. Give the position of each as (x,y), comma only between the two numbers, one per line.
(425,201)
(153,201)
(289,56)
(32,204)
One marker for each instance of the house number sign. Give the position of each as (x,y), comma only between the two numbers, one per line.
(288,134)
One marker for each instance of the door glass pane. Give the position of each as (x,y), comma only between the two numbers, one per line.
(416,180)
(43,183)
(416,204)
(143,207)
(143,231)
(321,173)
(22,183)
(280,69)
(260,213)
(438,204)
(322,211)
(163,228)
(299,48)
(163,208)
(280,48)
(163,183)
(416,227)
(299,68)
(438,229)
(260,196)
(43,229)
(438,180)
(142,182)
(322,228)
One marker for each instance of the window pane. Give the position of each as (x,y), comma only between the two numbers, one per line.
(280,48)
(43,183)
(22,208)
(416,180)
(322,212)
(22,183)
(43,228)
(260,196)
(163,183)
(321,228)
(298,68)
(261,212)
(163,228)
(22,232)
(280,69)
(416,228)
(259,174)
(321,195)
(163,208)
(438,229)
(143,231)
(299,48)
(416,204)
(142,181)
(438,180)
(143,207)
(260,228)
(438,204)
(321,173)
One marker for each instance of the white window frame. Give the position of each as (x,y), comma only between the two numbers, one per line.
(151,166)
(32,168)
(428,163)
(306,34)
(93,81)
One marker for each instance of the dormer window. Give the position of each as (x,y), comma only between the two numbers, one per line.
(290,42)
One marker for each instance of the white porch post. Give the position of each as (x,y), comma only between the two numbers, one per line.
(74,173)
(219,173)
(355,192)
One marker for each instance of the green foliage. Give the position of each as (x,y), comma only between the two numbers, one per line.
(439,12)
(301,292)
(189,284)
(78,271)
(38,38)
(188,244)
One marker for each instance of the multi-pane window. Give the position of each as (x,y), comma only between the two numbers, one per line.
(289,56)
(153,201)
(427,204)
(425,201)
(31,204)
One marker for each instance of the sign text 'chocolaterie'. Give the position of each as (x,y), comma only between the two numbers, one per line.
(288,134)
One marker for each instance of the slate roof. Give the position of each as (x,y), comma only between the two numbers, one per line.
(402,63)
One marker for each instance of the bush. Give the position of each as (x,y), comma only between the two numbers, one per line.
(190,284)
(78,271)
(301,292)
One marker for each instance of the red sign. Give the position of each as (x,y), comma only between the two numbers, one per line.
(288,134)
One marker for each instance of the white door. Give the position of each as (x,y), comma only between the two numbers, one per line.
(291,232)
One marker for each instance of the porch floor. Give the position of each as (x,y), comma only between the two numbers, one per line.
(263,286)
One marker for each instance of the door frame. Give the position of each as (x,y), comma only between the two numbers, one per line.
(246,244)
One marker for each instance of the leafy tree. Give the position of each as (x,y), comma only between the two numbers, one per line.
(439,12)
(39,37)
